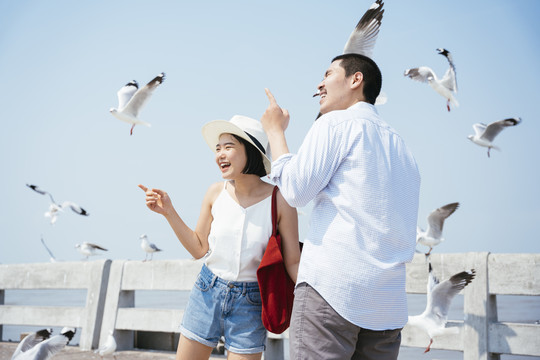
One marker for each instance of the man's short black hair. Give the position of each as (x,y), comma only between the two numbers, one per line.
(353,63)
(254,162)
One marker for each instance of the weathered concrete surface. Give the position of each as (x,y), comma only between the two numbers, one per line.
(73,352)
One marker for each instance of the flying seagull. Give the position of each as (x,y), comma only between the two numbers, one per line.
(148,247)
(48,348)
(446,87)
(131,100)
(439,296)
(363,37)
(485,134)
(433,235)
(30,341)
(89,249)
(55,208)
(52,258)
(108,348)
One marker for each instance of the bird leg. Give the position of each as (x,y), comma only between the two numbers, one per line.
(489,149)
(429,346)
(448,104)
(429,252)
(131,132)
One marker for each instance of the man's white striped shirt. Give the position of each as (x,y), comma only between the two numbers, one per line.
(365,184)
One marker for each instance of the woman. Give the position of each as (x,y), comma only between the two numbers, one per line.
(232,231)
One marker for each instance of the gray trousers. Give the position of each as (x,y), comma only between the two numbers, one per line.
(318,332)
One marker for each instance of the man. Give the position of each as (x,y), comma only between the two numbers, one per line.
(350,300)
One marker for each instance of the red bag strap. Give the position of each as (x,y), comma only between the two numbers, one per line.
(274,212)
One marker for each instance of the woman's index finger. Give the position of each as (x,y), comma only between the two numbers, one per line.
(144,188)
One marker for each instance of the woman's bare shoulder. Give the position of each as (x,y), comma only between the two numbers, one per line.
(282,203)
(213,192)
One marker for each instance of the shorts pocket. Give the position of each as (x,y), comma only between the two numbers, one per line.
(202,284)
(254,297)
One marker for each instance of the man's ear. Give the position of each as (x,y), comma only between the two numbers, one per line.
(356,80)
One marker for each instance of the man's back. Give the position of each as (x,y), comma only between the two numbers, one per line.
(365,187)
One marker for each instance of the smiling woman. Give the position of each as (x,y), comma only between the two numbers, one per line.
(231,234)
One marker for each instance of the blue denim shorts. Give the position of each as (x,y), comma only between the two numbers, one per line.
(231,309)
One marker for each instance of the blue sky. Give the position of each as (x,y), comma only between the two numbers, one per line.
(62,62)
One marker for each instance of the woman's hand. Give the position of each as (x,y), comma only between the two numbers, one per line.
(158,200)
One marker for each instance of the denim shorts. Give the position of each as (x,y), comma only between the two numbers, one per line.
(231,309)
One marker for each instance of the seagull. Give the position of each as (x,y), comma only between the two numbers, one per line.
(486,133)
(433,235)
(55,208)
(363,37)
(131,99)
(439,296)
(447,86)
(89,249)
(30,341)
(108,348)
(47,348)
(148,247)
(52,258)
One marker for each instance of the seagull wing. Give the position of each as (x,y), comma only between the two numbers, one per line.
(381,99)
(96,246)
(36,189)
(126,93)
(493,129)
(39,191)
(437,217)
(432,282)
(479,129)
(30,341)
(443,293)
(422,74)
(362,39)
(154,247)
(110,345)
(47,248)
(449,79)
(46,349)
(141,97)
(76,208)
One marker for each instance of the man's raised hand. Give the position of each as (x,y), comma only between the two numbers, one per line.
(274,118)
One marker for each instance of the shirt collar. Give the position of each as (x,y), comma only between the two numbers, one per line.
(362,105)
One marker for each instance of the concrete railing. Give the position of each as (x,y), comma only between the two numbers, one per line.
(90,276)
(481,335)
(126,277)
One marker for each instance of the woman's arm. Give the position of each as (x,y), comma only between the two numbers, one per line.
(195,242)
(288,229)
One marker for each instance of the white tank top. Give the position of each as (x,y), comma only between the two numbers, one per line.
(238,237)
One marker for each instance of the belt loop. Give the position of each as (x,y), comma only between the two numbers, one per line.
(244,288)
(213,281)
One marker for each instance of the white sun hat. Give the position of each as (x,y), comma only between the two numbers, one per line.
(245,127)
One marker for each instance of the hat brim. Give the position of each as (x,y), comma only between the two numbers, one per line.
(213,130)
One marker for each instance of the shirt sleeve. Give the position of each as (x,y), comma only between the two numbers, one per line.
(300,177)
